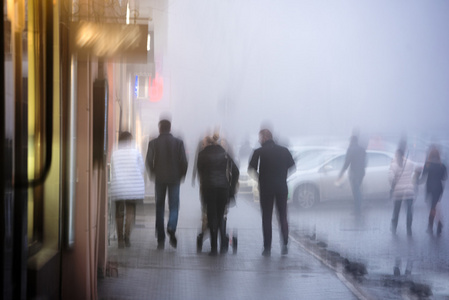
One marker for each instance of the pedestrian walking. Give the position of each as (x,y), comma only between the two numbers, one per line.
(204,228)
(166,164)
(434,173)
(127,186)
(218,176)
(270,164)
(402,176)
(355,160)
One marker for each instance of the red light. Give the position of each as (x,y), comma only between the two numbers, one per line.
(155,88)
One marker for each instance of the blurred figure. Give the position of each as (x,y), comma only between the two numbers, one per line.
(245,151)
(434,173)
(202,235)
(270,164)
(402,176)
(356,162)
(217,185)
(127,186)
(166,163)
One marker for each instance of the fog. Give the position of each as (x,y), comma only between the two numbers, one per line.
(308,67)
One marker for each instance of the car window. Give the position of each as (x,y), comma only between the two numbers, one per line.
(377,160)
(312,160)
(336,163)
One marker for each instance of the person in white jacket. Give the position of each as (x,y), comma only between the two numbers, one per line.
(403,188)
(127,186)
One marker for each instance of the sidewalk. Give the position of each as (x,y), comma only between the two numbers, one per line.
(143,272)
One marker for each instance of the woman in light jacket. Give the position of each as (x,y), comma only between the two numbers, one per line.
(127,186)
(402,179)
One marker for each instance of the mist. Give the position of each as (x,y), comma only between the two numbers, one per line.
(308,67)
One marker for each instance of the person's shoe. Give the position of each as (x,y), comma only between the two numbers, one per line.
(266,252)
(160,245)
(127,243)
(173,240)
(439,228)
(224,246)
(199,242)
(121,244)
(284,250)
(213,252)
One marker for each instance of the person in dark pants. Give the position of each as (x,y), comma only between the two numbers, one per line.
(127,186)
(356,162)
(271,164)
(166,163)
(434,173)
(218,176)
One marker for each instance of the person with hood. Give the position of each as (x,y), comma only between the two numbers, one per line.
(127,186)
(218,175)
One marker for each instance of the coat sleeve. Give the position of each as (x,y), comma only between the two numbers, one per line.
(253,165)
(235,173)
(183,164)
(149,160)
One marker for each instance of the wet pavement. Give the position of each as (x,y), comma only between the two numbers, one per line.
(332,255)
(422,260)
(143,272)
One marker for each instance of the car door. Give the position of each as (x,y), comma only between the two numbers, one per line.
(375,184)
(328,176)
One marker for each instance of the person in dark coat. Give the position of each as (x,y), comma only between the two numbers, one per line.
(356,162)
(218,176)
(271,164)
(434,173)
(166,163)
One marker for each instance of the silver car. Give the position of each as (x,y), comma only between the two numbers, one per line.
(316,176)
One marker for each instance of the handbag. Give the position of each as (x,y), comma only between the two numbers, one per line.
(232,186)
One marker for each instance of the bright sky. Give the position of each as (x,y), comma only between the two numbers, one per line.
(309,67)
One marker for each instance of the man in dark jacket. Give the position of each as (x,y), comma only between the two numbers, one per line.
(271,164)
(166,163)
(219,176)
(356,162)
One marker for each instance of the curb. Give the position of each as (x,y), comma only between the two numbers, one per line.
(351,274)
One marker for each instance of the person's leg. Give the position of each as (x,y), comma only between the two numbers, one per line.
(212,219)
(281,207)
(356,183)
(433,200)
(160,192)
(130,221)
(173,207)
(203,215)
(266,205)
(439,217)
(409,203)
(222,199)
(394,219)
(119,216)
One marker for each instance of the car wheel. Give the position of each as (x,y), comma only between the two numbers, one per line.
(306,196)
